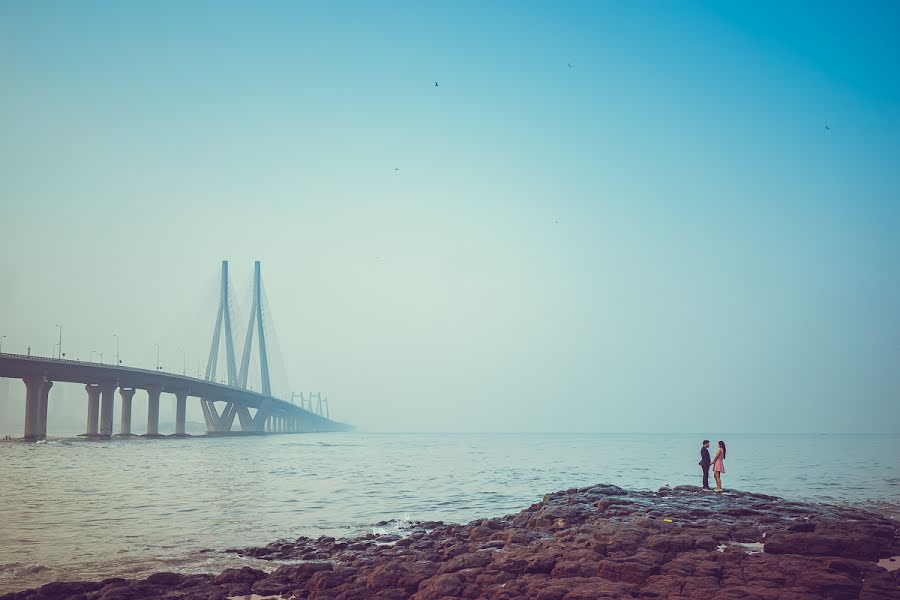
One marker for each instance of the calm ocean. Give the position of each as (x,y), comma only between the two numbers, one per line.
(76,509)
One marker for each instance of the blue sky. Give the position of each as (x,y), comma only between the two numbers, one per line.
(664,236)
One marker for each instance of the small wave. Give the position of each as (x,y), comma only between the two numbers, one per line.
(321,444)
(394,527)
(887,508)
(18,569)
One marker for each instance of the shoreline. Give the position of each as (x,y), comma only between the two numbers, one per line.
(595,542)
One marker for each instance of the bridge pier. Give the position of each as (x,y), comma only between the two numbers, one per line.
(93,415)
(153,410)
(43,406)
(231,409)
(180,411)
(33,385)
(125,422)
(210,415)
(107,396)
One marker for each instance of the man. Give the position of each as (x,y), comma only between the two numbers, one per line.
(705,462)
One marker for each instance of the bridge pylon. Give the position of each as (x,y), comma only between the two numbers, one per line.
(223,321)
(215,421)
(256,317)
(238,378)
(258,421)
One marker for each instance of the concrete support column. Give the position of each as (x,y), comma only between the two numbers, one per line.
(180,411)
(231,409)
(153,409)
(33,385)
(210,415)
(125,422)
(43,406)
(93,416)
(107,396)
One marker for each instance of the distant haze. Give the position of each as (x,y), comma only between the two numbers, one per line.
(623,217)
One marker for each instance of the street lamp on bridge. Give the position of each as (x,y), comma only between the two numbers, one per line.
(2,337)
(60,340)
(118,361)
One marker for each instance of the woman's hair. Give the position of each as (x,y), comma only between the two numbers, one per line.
(722,446)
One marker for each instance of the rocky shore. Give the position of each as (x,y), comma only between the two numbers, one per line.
(578,544)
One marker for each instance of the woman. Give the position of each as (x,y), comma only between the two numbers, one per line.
(719,465)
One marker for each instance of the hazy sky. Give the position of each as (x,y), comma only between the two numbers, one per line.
(662,237)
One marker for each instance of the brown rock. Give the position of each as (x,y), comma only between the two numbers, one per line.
(814,544)
(446,584)
(466,561)
(634,569)
(242,575)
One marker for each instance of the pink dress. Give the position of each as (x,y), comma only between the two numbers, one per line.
(719,465)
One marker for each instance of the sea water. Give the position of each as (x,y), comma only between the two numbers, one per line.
(76,509)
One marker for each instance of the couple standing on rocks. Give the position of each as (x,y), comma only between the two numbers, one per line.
(717,463)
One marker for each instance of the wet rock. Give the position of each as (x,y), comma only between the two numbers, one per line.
(270,586)
(64,589)
(242,575)
(165,579)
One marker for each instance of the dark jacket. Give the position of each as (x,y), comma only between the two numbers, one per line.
(704,457)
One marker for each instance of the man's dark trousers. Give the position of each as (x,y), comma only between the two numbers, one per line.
(705,462)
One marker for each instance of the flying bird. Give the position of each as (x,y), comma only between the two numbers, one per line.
(435,84)
(571,66)
(827,128)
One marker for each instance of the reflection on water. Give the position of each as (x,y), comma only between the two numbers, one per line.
(77,509)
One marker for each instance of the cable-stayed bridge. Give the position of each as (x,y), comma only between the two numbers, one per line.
(227,404)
